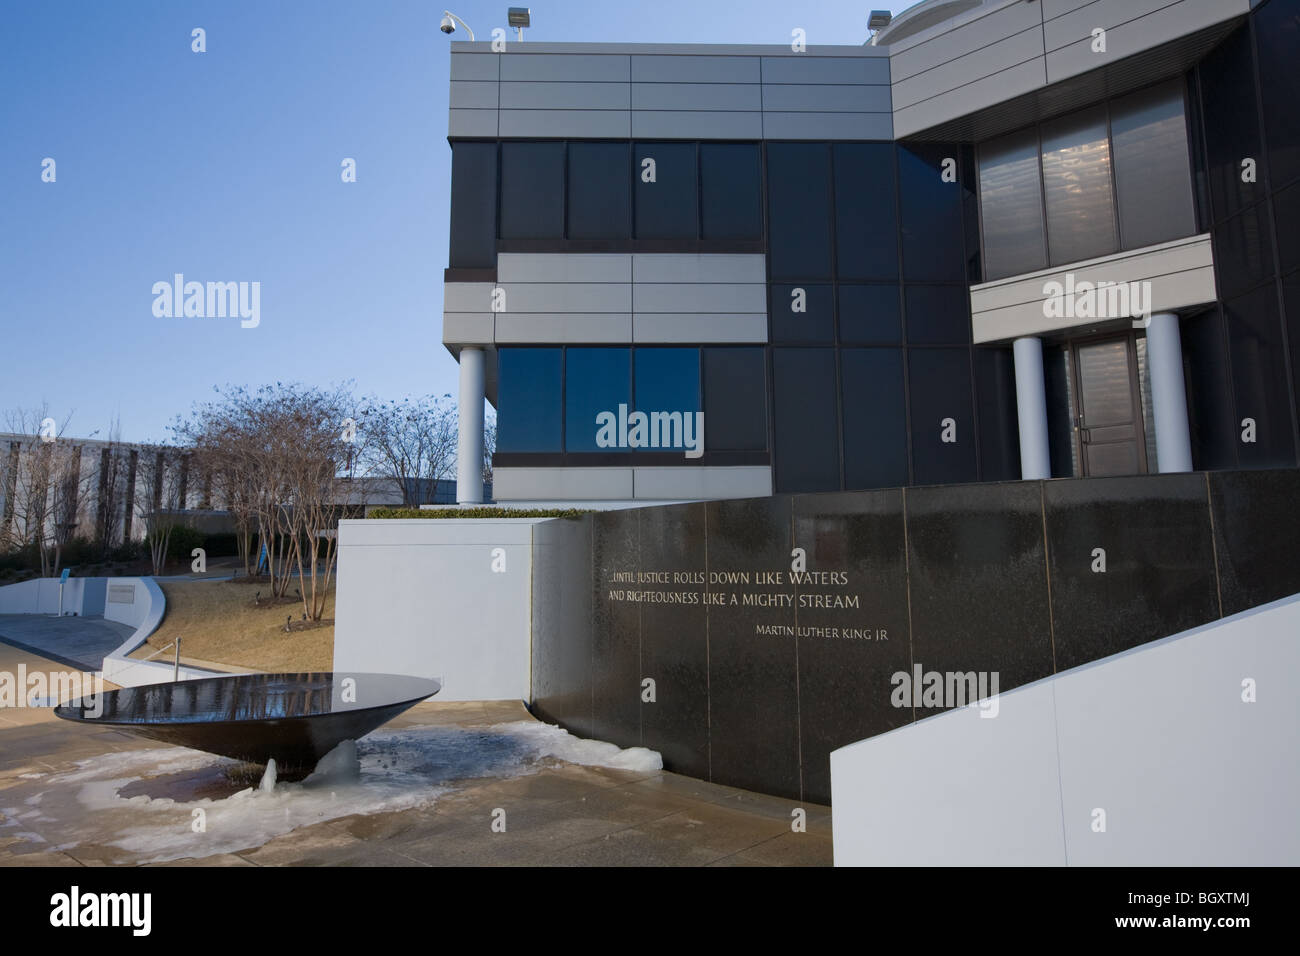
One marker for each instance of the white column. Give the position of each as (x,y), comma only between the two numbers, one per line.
(469,434)
(1031,409)
(1168,393)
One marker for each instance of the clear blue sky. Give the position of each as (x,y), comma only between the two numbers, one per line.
(225,166)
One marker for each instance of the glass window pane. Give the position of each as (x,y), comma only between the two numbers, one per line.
(532,190)
(995,384)
(1011,206)
(1209,398)
(937,314)
(666,207)
(1259,378)
(933,246)
(1076,181)
(473,206)
(939,387)
(1277,29)
(806,421)
(802,314)
(735,399)
(1231,123)
(866,224)
(730,191)
(870,315)
(799,216)
(1153,178)
(595,381)
(528,399)
(1243,251)
(875,423)
(1286,211)
(600,192)
(668,381)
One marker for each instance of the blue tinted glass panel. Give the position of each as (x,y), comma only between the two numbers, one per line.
(806,420)
(730,191)
(532,190)
(668,381)
(600,191)
(933,243)
(875,423)
(870,315)
(595,381)
(1277,29)
(1259,378)
(666,208)
(528,400)
(866,221)
(1231,123)
(735,399)
(1243,250)
(1209,396)
(937,315)
(802,314)
(473,206)
(799,214)
(940,388)
(995,384)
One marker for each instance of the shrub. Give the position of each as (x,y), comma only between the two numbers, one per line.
(486,512)
(183,541)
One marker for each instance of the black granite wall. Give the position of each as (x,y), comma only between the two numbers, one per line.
(760,671)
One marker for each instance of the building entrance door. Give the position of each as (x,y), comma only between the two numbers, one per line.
(1108,429)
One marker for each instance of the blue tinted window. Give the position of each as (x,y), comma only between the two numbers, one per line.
(995,381)
(473,206)
(940,388)
(730,191)
(735,399)
(666,208)
(875,422)
(799,214)
(1231,123)
(933,247)
(806,420)
(866,225)
(528,400)
(532,190)
(595,381)
(869,315)
(1277,29)
(600,197)
(937,315)
(668,380)
(1259,378)
(802,314)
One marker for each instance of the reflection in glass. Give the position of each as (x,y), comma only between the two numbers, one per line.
(1011,204)
(1153,180)
(1076,183)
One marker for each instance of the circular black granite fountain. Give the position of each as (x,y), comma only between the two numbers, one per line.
(294,718)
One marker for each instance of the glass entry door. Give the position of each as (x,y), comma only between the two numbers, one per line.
(1108,408)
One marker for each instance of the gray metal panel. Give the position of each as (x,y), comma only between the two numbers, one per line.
(567,297)
(1056,8)
(828,126)
(1139,35)
(561,484)
(994,58)
(566,96)
(697,328)
(682,482)
(579,124)
(564,267)
(966,35)
(698,297)
(467,328)
(562,327)
(473,95)
(701,267)
(1020,79)
(694,69)
(807,68)
(697,96)
(665,124)
(828,99)
(471,123)
(475,66)
(467,296)
(589,68)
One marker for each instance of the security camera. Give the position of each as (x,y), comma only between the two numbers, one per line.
(447,25)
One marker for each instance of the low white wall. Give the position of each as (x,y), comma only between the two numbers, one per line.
(420,596)
(81,596)
(145,610)
(1159,738)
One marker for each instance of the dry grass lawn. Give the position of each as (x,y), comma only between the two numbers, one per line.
(218,622)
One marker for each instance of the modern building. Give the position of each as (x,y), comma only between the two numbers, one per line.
(1006,239)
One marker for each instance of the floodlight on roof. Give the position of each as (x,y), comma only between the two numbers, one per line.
(879,19)
(519,17)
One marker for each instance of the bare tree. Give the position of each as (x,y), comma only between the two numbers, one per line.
(489,446)
(159,499)
(412,443)
(112,475)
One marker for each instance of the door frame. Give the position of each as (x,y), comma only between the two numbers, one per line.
(1135,389)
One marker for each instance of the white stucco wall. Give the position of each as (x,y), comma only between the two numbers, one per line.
(1158,737)
(419,596)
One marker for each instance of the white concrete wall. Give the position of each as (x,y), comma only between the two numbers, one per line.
(419,596)
(81,596)
(1159,738)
